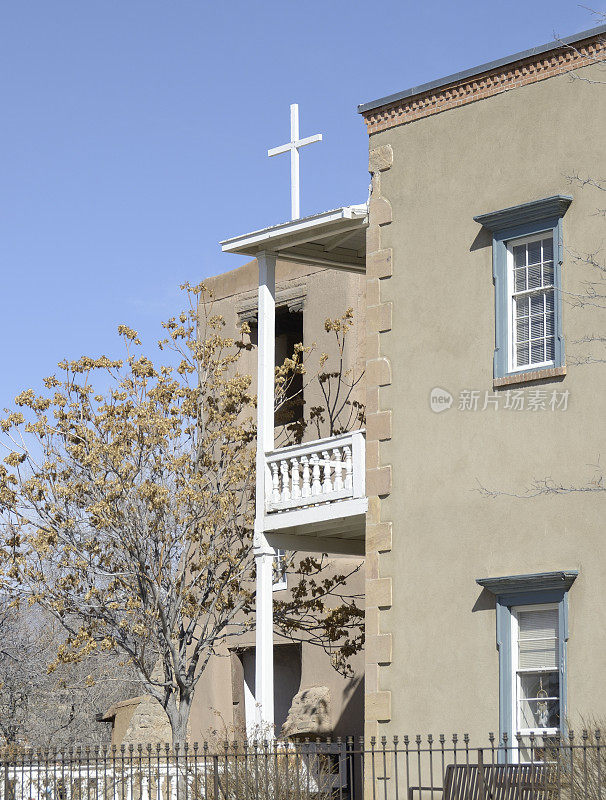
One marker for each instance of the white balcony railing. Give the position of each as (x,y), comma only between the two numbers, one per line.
(315,473)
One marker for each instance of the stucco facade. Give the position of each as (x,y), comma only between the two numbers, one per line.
(484,488)
(431,531)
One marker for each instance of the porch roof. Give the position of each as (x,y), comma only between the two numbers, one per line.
(335,239)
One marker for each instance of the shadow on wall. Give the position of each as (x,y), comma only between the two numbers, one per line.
(483,239)
(485,601)
(351,721)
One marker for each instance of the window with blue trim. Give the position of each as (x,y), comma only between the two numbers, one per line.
(531,297)
(532,631)
(535,669)
(527,255)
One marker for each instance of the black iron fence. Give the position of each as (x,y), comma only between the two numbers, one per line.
(401,768)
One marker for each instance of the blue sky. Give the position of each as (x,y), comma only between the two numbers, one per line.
(134,137)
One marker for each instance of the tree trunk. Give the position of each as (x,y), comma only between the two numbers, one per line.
(178,717)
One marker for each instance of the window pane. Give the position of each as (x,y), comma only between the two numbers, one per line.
(549,324)
(519,255)
(522,307)
(537,352)
(538,654)
(550,349)
(537,327)
(536,303)
(543,714)
(522,330)
(549,301)
(539,701)
(539,685)
(547,273)
(522,355)
(520,279)
(538,623)
(538,638)
(534,252)
(548,249)
(534,276)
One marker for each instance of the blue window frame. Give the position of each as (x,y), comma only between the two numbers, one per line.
(527,255)
(532,691)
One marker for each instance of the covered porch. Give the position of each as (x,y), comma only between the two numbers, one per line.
(309,497)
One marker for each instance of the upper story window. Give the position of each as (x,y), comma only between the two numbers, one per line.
(527,256)
(532,301)
(289,332)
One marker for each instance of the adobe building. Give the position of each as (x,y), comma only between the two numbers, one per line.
(471,492)
(486,612)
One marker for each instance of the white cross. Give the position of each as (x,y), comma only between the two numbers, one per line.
(294,145)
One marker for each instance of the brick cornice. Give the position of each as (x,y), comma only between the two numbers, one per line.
(486,84)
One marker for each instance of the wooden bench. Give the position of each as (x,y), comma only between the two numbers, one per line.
(500,782)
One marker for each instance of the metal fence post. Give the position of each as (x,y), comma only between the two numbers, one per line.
(481,792)
(216,776)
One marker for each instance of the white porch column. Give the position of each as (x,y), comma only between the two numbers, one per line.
(264,553)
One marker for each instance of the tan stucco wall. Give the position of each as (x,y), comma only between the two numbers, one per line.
(215,711)
(326,293)
(512,148)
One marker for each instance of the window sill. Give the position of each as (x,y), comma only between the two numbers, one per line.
(529,377)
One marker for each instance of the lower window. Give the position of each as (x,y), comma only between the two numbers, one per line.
(532,635)
(536,690)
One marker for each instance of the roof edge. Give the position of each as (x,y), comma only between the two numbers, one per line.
(343,212)
(481,68)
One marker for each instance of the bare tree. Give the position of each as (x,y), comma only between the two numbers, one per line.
(19,673)
(56,708)
(127,511)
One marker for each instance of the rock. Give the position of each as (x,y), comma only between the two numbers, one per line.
(309,713)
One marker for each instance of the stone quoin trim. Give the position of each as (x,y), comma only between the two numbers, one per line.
(485,84)
(378,647)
